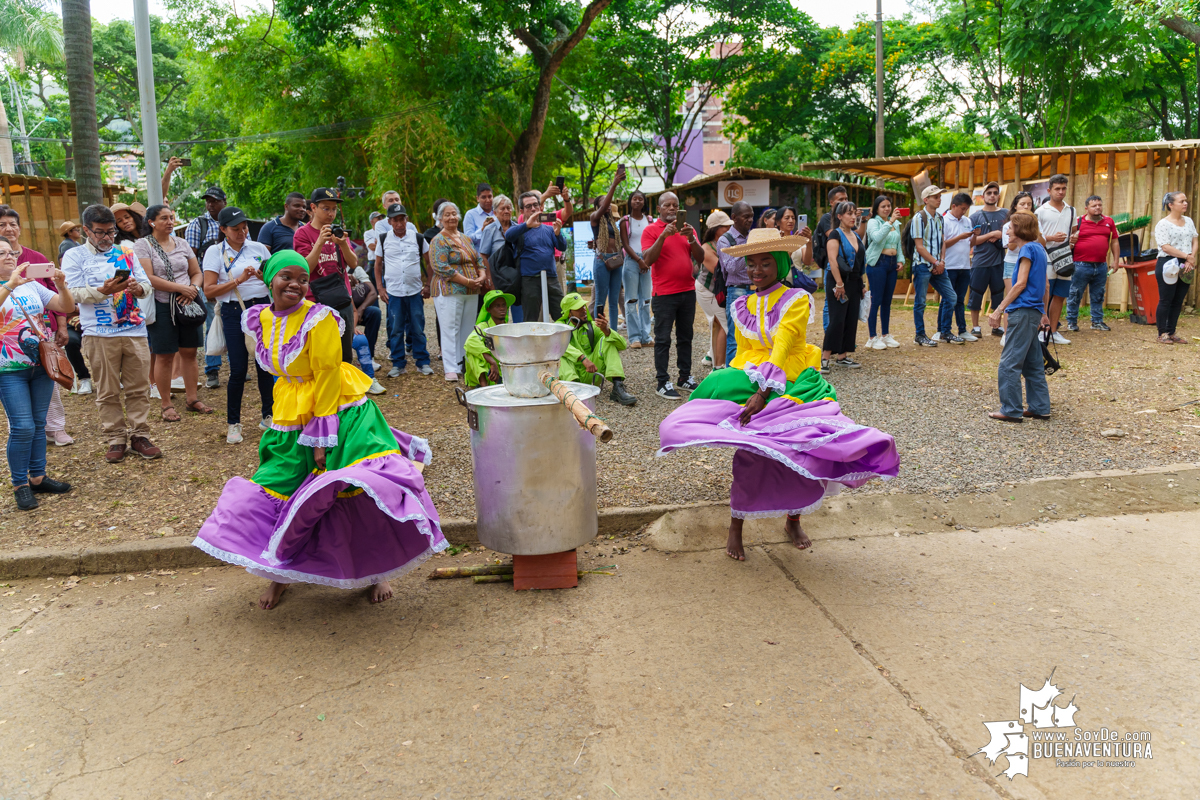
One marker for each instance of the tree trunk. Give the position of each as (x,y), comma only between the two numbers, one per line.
(7,165)
(524,150)
(81,92)
(1186,29)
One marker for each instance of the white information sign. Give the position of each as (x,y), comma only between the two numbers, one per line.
(756,192)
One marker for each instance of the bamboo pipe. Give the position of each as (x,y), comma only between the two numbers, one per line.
(582,413)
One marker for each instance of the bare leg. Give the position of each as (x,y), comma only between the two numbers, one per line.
(1056,307)
(796,533)
(381,591)
(160,369)
(270,598)
(191,373)
(733,547)
(719,343)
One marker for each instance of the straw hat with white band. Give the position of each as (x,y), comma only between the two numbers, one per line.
(766,240)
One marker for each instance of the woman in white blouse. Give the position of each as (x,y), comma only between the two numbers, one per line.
(1176,237)
(233,277)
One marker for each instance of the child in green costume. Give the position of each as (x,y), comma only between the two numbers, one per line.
(593,352)
(481,368)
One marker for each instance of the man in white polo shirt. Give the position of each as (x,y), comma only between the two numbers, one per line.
(106,280)
(403,284)
(1056,221)
(956,253)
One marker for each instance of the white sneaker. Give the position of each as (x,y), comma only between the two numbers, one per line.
(937,337)
(375,364)
(376,388)
(968,337)
(451,377)
(235,433)
(264,424)
(888,341)
(154,395)
(177,384)
(425,370)
(395,372)
(1002,338)
(84,387)
(1058,338)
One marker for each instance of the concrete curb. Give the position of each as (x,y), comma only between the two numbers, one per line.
(703,526)
(1094,494)
(176,552)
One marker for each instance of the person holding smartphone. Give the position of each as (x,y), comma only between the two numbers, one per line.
(956,255)
(884,260)
(107,281)
(987,256)
(25,388)
(609,259)
(847,263)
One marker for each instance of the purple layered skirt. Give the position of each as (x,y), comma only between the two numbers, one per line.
(349,528)
(790,455)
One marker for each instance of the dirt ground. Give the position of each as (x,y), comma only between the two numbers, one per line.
(866,667)
(932,400)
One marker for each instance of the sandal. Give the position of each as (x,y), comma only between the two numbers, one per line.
(1165,339)
(169,414)
(197,407)
(1178,339)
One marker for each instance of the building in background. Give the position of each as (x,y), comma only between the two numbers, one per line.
(125,170)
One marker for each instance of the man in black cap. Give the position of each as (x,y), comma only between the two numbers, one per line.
(329,255)
(202,233)
(403,278)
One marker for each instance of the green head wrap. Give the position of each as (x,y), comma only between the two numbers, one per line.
(569,303)
(484,318)
(784,262)
(282,260)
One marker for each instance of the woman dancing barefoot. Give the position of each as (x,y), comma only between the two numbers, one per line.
(794,447)
(336,499)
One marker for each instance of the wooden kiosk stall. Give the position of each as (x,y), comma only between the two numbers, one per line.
(1131,178)
(765,189)
(44,204)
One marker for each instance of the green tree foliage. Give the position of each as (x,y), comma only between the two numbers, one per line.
(27,30)
(820,84)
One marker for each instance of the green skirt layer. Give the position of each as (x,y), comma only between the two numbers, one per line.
(734,385)
(284,463)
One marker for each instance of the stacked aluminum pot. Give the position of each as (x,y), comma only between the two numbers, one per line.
(534,466)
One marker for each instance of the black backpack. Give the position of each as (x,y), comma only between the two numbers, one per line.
(505,266)
(204,235)
(908,245)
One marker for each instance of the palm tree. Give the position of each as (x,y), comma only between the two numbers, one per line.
(81,93)
(25,30)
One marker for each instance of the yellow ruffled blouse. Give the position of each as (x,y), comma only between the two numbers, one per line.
(303,349)
(771,330)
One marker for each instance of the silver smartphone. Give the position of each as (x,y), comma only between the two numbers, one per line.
(803,223)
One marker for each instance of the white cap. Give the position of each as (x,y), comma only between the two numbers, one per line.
(1171,271)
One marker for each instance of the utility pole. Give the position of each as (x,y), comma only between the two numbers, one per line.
(145,71)
(879,149)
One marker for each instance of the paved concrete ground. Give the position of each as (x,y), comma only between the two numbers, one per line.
(864,669)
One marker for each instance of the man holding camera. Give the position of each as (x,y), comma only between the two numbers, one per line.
(325,244)
(535,244)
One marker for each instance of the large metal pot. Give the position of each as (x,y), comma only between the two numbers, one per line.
(535,471)
(528,342)
(521,380)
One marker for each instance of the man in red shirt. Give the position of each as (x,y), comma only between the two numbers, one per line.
(669,249)
(1095,241)
(328,255)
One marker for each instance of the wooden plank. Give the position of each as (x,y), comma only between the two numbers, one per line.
(1000,170)
(1150,199)
(7,192)
(50,226)
(1112,183)
(971,183)
(1091,184)
(30,226)
(1130,190)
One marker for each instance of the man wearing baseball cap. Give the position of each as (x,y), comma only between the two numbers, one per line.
(328,255)
(202,233)
(402,278)
(929,269)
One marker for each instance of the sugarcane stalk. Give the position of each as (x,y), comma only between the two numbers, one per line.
(493,578)
(468,572)
(583,415)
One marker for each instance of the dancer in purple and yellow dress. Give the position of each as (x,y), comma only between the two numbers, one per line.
(794,447)
(336,499)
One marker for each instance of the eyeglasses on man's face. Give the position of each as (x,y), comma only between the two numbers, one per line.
(103,234)
(531,206)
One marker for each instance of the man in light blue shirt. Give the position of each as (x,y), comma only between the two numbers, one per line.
(473,221)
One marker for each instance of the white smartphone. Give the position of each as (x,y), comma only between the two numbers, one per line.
(36,271)
(803,223)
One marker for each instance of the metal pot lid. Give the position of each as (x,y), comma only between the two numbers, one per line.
(498,396)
